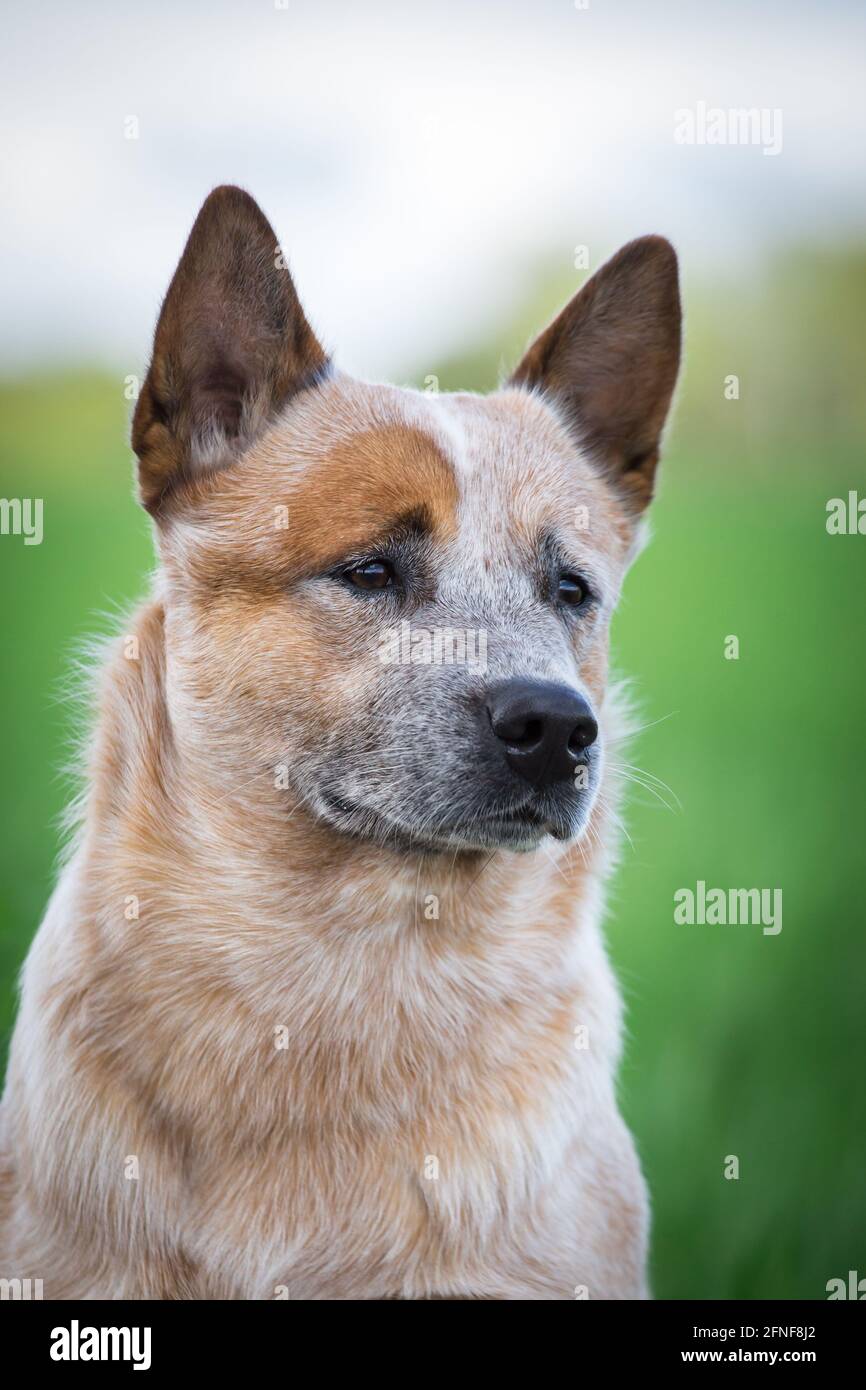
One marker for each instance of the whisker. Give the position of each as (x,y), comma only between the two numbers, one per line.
(647,786)
(631,733)
(651,777)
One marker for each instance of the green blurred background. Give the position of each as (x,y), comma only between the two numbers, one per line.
(739,1043)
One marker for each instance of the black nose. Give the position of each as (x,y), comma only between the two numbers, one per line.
(544,727)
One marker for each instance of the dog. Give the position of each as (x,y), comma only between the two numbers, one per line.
(320,1007)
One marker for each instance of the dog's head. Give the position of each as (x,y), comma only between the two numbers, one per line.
(395,604)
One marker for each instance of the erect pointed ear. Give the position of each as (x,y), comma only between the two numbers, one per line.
(610,360)
(232,345)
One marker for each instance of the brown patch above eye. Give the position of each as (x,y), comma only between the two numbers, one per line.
(364,486)
(268,523)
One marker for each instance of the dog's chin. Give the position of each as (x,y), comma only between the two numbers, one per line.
(520,830)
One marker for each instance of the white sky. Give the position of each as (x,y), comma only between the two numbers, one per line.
(417,160)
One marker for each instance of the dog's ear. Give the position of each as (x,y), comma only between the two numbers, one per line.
(609,361)
(232,345)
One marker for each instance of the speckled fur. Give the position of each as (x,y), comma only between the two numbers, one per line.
(248,1062)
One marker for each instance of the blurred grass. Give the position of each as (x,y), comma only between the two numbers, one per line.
(739,1043)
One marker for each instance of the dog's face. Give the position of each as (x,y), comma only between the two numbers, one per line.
(396,604)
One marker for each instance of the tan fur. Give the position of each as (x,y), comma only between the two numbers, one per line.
(154,1037)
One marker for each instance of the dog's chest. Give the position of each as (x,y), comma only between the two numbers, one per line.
(435,1199)
(428,1146)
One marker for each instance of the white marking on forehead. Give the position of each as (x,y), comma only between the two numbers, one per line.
(482,553)
(486,572)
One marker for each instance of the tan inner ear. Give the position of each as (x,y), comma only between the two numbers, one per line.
(609,363)
(232,345)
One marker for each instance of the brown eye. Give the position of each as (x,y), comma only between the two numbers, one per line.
(374,574)
(571,590)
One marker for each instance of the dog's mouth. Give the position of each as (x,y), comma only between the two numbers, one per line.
(521,827)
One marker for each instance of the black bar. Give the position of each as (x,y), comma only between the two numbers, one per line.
(243,1337)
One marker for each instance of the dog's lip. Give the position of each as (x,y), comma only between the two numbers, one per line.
(400,833)
(511,820)
(512,815)
(530,818)
(517,815)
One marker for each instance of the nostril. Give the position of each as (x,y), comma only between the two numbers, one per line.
(584,733)
(519,733)
(530,737)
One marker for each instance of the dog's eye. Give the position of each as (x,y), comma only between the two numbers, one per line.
(373,574)
(571,590)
